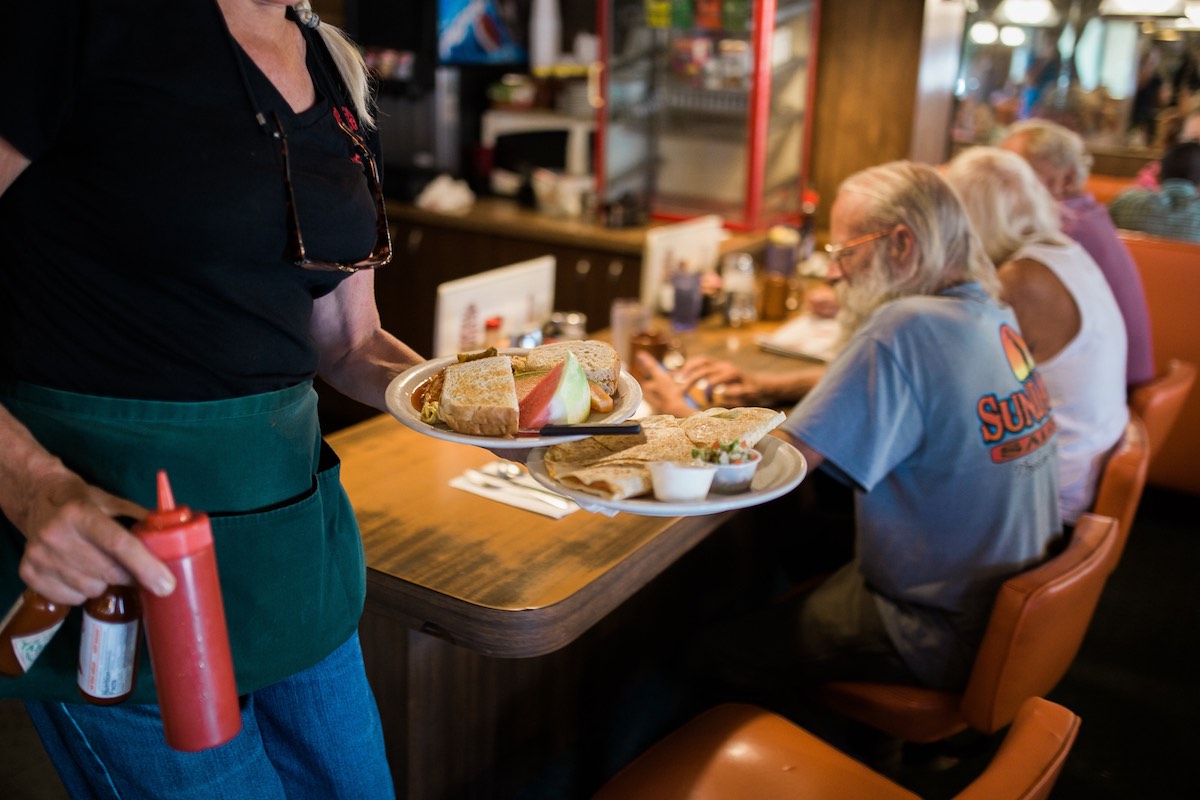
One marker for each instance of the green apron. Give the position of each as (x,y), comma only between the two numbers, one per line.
(289,554)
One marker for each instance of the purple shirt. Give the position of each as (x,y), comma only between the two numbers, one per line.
(1087,222)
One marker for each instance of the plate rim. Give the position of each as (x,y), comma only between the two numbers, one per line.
(649,507)
(396,398)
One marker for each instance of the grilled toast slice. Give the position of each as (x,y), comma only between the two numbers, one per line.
(599,360)
(480,397)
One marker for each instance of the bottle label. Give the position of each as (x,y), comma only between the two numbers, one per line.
(28,648)
(106,657)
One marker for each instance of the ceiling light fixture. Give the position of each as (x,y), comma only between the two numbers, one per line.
(1029,13)
(984,33)
(1142,9)
(1012,36)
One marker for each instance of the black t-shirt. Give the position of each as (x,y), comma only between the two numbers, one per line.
(142,253)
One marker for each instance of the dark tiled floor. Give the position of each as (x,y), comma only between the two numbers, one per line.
(1133,683)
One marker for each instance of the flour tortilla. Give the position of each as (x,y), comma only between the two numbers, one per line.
(610,481)
(661,439)
(726,425)
(614,467)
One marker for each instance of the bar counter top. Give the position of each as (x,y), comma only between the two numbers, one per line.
(497,579)
(505,216)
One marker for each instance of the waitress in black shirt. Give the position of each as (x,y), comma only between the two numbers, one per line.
(189,215)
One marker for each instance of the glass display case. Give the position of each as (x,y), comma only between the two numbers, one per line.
(705,107)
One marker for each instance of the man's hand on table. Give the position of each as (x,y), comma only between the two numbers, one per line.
(723,382)
(660,389)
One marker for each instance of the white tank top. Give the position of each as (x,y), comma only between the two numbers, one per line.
(1086,379)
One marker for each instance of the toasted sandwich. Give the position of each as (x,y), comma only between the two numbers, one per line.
(480,398)
(599,360)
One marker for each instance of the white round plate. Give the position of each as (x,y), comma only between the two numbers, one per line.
(782,469)
(399,403)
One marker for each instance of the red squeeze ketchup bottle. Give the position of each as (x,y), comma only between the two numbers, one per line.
(185,631)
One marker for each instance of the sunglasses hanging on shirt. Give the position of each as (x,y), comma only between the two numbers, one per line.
(381,253)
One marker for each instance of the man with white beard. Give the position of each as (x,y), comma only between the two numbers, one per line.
(936,417)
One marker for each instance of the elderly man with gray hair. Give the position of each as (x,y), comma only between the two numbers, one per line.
(1061,163)
(936,416)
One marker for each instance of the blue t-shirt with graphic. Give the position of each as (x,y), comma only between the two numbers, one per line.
(937,416)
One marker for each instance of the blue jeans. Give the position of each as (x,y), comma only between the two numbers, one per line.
(313,735)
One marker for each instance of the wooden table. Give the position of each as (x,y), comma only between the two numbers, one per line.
(480,628)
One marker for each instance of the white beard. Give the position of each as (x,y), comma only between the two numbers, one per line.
(870,289)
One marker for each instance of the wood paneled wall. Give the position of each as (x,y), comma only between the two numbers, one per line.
(867,70)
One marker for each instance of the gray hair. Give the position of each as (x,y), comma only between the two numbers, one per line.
(346,57)
(947,250)
(1008,206)
(1052,144)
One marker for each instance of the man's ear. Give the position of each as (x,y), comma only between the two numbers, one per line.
(902,251)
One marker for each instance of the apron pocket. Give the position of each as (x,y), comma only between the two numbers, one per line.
(298,587)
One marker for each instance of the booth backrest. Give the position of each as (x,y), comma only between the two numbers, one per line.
(1105,187)
(1170,271)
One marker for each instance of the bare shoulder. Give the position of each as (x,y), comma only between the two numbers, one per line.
(1028,283)
(1044,307)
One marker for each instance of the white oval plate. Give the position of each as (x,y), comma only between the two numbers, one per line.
(782,469)
(399,403)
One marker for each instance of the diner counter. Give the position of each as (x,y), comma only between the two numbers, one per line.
(498,579)
(502,216)
(494,578)
(495,637)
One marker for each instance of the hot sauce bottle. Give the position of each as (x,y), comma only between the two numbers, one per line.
(186,632)
(26,630)
(108,646)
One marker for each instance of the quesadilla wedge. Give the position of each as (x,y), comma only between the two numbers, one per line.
(614,467)
(747,424)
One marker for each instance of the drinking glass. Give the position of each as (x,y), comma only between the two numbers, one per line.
(627,318)
(685,314)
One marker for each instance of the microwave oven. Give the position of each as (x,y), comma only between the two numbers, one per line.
(517,142)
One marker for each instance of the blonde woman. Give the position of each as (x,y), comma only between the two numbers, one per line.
(1065,308)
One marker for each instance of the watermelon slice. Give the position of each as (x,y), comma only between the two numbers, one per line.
(562,396)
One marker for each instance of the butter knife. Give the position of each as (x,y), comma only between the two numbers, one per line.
(490,482)
(585,429)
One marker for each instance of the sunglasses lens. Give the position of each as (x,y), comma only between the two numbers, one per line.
(381,254)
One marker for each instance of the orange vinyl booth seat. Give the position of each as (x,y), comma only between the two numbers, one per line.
(1160,401)
(1119,489)
(733,752)
(1105,187)
(1035,630)
(1170,272)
